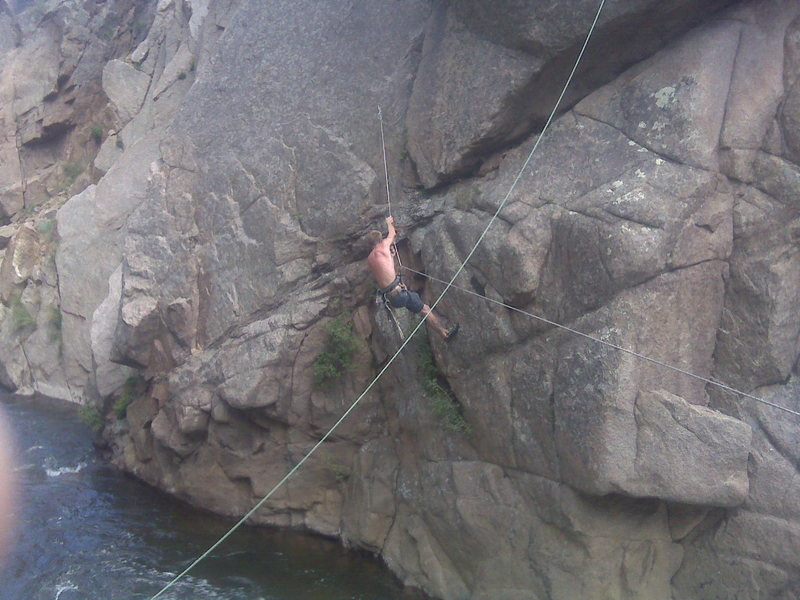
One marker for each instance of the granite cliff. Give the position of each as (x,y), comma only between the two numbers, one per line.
(185,183)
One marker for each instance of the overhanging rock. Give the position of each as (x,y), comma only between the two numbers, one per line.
(688,453)
(674,450)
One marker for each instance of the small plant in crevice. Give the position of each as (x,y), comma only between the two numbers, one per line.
(47,229)
(336,357)
(97,132)
(72,170)
(468,197)
(119,143)
(48,235)
(107,33)
(438,393)
(91,417)
(139,28)
(21,317)
(54,324)
(130,390)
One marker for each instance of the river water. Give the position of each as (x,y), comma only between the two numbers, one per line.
(85,531)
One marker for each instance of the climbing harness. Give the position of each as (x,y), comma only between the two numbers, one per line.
(383,297)
(393,289)
(408,339)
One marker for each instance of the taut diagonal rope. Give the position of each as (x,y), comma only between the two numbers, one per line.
(614,346)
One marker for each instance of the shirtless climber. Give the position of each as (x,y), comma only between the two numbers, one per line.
(381,265)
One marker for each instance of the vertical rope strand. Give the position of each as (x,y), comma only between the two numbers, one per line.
(386,178)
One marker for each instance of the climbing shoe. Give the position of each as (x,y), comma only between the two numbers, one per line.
(452,331)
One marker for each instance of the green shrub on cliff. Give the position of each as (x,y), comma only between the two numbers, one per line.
(72,170)
(467,197)
(442,403)
(139,29)
(97,133)
(54,322)
(47,229)
(91,417)
(129,392)
(21,318)
(337,355)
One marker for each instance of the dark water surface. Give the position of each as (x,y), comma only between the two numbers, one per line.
(86,531)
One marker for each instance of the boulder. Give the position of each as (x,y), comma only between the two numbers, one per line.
(109,377)
(689,454)
(90,229)
(527,517)
(21,258)
(11,186)
(455,59)
(746,547)
(369,514)
(515,57)
(7,232)
(759,338)
(597,390)
(674,103)
(126,87)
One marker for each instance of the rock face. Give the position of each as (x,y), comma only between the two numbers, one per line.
(515,56)
(54,117)
(211,253)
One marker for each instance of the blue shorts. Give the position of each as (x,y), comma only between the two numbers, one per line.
(404,298)
(409,300)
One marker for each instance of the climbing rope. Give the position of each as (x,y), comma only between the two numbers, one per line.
(385,164)
(392,316)
(394,319)
(405,343)
(611,345)
(386,178)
